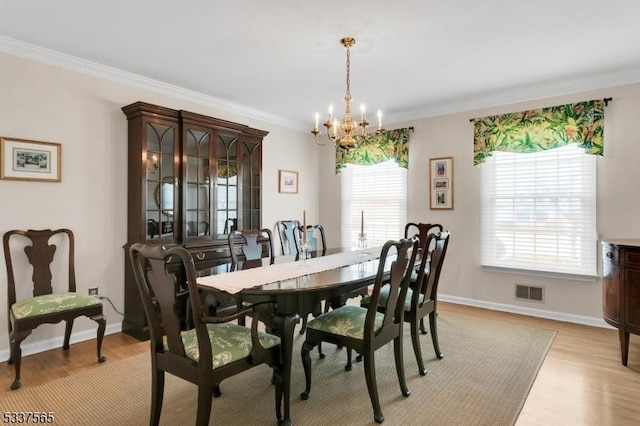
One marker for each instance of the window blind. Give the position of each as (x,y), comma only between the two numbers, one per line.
(538,211)
(379,192)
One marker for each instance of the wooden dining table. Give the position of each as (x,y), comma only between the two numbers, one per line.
(309,282)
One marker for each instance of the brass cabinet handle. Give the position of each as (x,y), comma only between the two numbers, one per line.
(200,256)
(610,255)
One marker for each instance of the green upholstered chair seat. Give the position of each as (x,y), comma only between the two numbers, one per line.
(229,343)
(345,321)
(51,304)
(384,295)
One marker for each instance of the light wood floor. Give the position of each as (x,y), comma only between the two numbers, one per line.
(581,382)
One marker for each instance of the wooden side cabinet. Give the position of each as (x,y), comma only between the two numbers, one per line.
(621,288)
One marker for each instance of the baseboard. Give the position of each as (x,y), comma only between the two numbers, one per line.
(539,313)
(56,342)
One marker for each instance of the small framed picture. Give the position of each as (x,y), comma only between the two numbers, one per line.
(441,183)
(22,159)
(288,181)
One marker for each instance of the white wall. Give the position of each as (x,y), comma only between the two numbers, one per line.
(83,113)
(463,279)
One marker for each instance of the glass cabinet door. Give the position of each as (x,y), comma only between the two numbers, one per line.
(197,185)
(251,184)
(226,185)
(161,182)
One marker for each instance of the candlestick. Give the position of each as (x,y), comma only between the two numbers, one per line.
(362,222)
(379,119)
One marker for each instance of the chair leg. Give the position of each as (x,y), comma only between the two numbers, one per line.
(415,340)
(306,363)
(423,330)
(397,349)
(277,379)
(102,325)
(15,339)
(157,395)
(372,386)
(67,334)
(205,393)
(216,391)
(304,325)
(434,334)
(349,355)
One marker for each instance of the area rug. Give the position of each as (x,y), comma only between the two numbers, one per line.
(484,379)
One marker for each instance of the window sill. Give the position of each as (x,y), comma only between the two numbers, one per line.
(545,274)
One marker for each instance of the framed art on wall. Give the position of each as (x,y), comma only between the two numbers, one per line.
(288,181)
(441,183)
(22,159)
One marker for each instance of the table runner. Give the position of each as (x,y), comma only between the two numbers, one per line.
(234,282)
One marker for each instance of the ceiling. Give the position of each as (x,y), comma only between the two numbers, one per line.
(281,60)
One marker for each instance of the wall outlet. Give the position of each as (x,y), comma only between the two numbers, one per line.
(93,291)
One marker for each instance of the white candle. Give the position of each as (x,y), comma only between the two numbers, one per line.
(362,110)
(317,120)
(304,225)
(379,119)
(361,222)
(330,111)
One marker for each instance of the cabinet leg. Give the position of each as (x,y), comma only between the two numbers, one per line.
(624,346)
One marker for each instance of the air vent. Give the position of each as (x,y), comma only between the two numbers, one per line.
(525,292)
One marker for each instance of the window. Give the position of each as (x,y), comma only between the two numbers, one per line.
(379,193)
(538,211)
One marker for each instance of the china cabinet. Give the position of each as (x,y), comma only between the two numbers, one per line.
(192,179)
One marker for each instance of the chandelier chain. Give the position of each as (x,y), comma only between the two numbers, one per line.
(348,72)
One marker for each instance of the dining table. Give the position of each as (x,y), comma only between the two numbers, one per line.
(297,286)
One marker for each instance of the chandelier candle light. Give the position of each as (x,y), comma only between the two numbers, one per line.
(344,133)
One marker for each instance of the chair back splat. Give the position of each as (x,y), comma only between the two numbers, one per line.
(213,350)
(45,305)
(286,232)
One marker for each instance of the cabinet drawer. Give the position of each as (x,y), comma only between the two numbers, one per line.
(632,257)
(210,254)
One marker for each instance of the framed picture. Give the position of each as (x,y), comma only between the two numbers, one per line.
(441,183)
(288,182)
(22,159)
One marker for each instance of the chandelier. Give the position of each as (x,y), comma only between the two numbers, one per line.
(344,132)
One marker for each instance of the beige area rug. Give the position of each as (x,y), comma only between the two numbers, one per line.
(484,378)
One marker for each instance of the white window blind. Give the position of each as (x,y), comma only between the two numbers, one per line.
(380,191)
(538,211)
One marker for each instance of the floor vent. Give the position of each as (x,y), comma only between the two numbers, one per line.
(525,292)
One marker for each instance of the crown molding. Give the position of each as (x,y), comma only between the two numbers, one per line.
(54,58)
(560,87)
(496,98)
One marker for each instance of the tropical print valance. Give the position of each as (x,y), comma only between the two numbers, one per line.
(390,145)
(541,129)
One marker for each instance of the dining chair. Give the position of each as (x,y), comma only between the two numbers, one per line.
(213,350)
(286,234)
(49,301)
(365,329)
(316,239)
(250,246)
(422,297)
